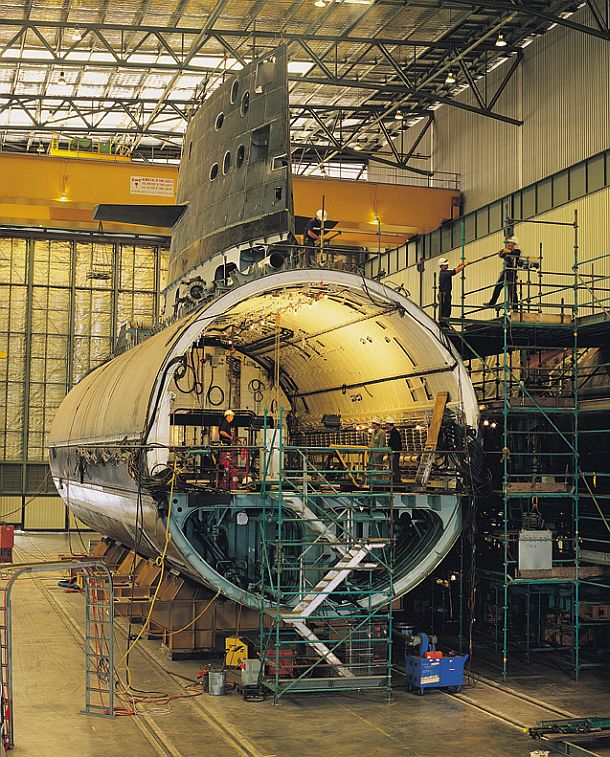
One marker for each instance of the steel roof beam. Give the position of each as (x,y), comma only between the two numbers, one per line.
(184,104)
(276,36)
(416,93)
(528,9)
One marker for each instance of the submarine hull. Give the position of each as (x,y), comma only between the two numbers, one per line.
(127,444)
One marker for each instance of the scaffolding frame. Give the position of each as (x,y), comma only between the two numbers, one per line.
(99,638)
(529,420)
(332,630)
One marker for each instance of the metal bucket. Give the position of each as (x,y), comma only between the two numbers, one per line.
(216,683)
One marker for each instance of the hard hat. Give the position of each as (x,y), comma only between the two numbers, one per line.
(229,412)
(321,215)
(391,421)
(514,240)
(376,420)
(443,261)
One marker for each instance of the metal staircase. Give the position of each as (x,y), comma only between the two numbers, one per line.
(350,561)
(328,563)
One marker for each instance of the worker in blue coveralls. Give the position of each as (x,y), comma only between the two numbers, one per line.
(445,283)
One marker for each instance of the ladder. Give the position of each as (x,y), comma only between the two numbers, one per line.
(99,638)
(99,645)
(424,468)
(5,687)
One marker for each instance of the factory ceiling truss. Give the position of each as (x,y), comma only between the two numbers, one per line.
(361,71)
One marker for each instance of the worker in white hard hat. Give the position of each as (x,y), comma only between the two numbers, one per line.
(376,444)
(445,284)
(511,255)
(395,444)
(314,232)
(227,428)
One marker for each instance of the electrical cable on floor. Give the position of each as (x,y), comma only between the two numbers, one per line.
(160,561)
(128,691)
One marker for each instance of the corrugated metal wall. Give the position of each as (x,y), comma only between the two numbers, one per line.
(566,97)
(482,151)
(61,305)
(562,93)
(557,256)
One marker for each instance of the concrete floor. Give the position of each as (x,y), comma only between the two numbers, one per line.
(48,692)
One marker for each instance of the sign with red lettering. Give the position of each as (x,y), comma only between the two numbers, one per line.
(157,186)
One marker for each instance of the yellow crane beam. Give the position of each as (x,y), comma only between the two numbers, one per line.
(61,192)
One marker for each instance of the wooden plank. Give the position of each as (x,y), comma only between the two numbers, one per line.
(434,430)
(541,317)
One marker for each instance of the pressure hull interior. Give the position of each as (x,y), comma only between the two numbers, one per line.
(305,364)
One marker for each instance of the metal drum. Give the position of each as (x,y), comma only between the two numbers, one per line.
(216,683)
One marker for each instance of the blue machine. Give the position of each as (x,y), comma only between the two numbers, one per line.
(423,672)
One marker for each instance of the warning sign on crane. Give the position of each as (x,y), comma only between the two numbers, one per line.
(158,186)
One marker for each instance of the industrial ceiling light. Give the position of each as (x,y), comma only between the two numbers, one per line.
(399,115)
(450,78)
(357,146)
(77,35)
(501,41)
(62,78)
(320,3)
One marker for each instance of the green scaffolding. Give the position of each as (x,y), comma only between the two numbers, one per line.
(542,481)
(327,570)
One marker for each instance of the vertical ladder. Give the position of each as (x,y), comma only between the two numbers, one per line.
(99,645)
(5,683)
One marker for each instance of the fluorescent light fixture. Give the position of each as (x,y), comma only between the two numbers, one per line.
(501,42)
